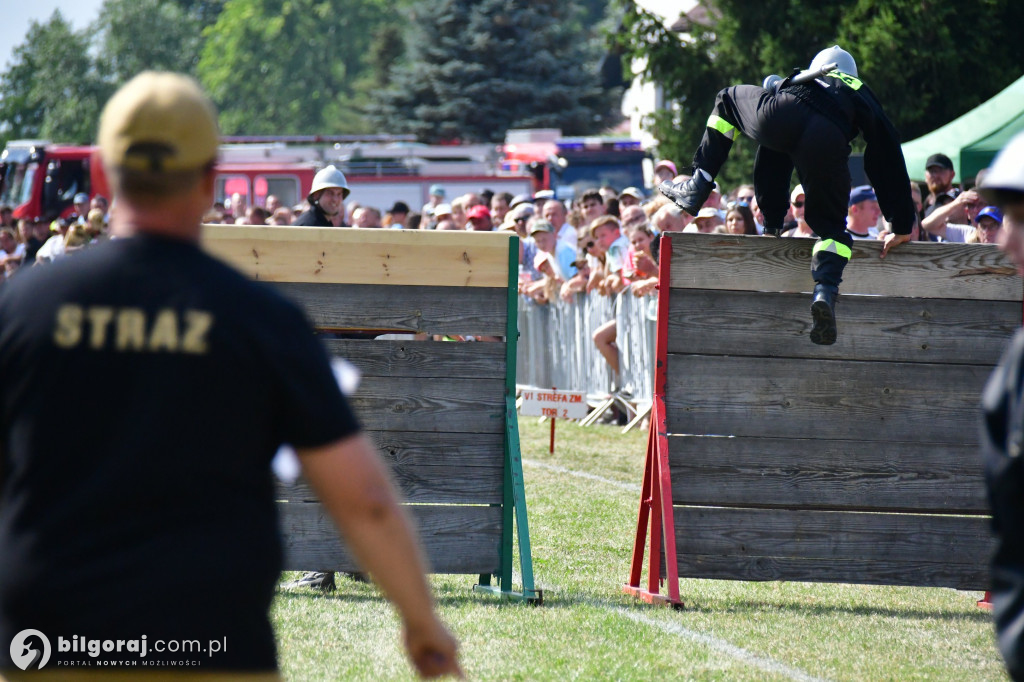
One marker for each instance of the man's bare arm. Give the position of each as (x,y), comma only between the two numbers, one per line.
(935,222)
(355,488)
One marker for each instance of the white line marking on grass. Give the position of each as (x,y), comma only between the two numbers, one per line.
(632,487)
(710,641)
(721,645)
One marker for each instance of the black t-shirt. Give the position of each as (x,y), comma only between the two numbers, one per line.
(144,389)
(313,217)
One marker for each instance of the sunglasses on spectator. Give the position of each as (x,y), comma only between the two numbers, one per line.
(798,204)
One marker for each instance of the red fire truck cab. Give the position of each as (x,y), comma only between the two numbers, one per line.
(39,180)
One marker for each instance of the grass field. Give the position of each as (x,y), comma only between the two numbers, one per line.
(583,503)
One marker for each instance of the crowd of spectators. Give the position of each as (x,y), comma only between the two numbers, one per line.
(29,242)
(604,240)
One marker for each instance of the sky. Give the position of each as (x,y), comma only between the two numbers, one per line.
(667,9)
(15,16)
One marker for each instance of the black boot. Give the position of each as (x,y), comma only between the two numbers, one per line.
(691,194)
(823,313)
(316,580)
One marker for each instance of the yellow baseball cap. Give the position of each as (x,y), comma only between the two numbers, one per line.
(159,122)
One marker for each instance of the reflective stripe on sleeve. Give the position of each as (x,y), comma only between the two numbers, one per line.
(832,246)
(721,125)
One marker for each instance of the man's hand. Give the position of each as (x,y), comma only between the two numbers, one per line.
(354,485)
(644,286)
(645,264)
(568,291)
(432,649)
(892,241)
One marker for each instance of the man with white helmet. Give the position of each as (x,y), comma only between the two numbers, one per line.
(1003,426)
(807,121)
(326,199)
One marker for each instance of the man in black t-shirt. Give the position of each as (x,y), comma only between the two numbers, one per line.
(326,200)
(938,175)
(144,388)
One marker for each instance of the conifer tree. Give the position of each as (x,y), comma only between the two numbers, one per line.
(477,68)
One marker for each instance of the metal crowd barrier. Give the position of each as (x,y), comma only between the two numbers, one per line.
(556,350)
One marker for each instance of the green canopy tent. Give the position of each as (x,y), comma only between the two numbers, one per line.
(972,140)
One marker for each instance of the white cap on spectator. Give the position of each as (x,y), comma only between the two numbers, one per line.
(520,199)
(523,211)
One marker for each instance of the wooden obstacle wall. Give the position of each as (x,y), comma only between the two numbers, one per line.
(856,462)
(437,411)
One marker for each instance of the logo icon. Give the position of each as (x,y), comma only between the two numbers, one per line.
(30,650)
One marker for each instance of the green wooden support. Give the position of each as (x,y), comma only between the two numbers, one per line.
(513,489)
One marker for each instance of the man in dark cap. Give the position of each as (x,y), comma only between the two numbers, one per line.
(399,213)
(938,175)
(155,516)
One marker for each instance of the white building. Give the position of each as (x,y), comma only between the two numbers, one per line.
(643,98)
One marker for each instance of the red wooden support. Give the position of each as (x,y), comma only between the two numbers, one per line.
(656,496)
(637,562)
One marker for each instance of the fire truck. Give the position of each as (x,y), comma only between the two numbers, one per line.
(571,165)
(40,179)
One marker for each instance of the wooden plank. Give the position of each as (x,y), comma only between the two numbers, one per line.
(448,468)
(799,473)
(424,359)
(787,398)
(918,269)
(363,256)
(909,549)
(412,309)
(455,539)
(974,576)
(946,331)
(410,404)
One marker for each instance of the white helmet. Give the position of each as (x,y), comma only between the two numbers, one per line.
(843,59)
(326,178)
(1004,182)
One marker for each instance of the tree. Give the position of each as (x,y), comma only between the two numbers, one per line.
(476,69)
(204,11)
(135,35)
(289,66)
(387,50)
(51,89)
(909,54)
